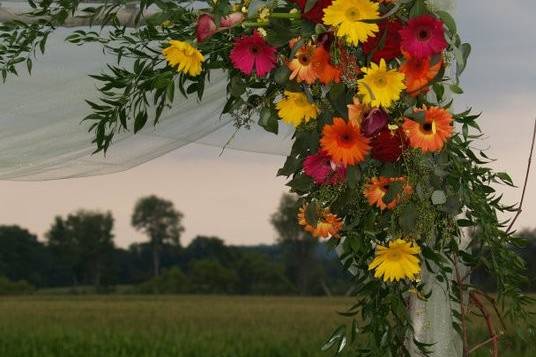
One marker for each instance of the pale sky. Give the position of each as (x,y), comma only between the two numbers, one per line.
(232,196)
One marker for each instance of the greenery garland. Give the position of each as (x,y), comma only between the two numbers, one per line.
(386,171)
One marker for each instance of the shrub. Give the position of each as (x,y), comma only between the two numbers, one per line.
(20,287)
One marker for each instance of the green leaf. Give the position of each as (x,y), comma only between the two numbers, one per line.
(309,5)
(439,91)
(408,217)
(29,65)
(338,99)
(465,223)
(395,189)
(291,166)
(237,86)
(448,20)
(337,336)
(456,89)
(419,116)
(312,213)
(418,9)
(353,176)
(269,120)
(140,121)
(505,178)
(278,32)
(281,75)
(439,197)
(390,170)
(301,183)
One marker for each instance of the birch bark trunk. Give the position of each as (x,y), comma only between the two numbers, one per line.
(432,321)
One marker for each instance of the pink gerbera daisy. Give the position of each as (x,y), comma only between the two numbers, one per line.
(423,36)
(323,171)
(253,52)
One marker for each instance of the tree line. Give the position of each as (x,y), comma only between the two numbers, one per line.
(78,250)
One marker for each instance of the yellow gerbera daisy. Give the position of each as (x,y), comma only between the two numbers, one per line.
(295,108)
(346,16)
(396,262)
(381,86)
(185,56)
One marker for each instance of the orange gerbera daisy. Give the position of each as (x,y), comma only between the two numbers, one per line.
(325,71)
(431,135)
(327,225)
(356,112)
(419,73)
(312,63)
(302,66)
(344,142)
(378,187)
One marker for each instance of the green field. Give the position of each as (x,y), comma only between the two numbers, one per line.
(132,326)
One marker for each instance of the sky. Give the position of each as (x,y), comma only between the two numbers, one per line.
(233,195)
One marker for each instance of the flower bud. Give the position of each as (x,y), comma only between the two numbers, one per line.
(205,28)
(374,122)
(232,19)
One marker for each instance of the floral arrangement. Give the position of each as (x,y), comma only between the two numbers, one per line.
(386,170)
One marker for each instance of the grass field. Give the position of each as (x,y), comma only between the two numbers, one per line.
(132,326)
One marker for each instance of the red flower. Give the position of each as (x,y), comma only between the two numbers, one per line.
(424,36)
(386,43)
(388,145)
(253,53)
(316,13)
(322,170)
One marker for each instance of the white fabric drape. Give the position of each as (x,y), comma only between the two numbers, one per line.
(42,137)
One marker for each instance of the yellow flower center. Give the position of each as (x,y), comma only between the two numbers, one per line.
(380,81)
(353,14)
(394,254)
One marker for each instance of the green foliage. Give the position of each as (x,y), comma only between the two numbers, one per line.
(452,190)
(210,277)
(159,219)
(23,257)
(83,244)
(20,287)
(171,281)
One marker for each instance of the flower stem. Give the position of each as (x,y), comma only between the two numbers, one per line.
(285,15)
(254,23)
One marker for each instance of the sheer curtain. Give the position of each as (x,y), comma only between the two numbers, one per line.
(42,136)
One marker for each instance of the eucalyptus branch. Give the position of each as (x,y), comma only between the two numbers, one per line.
(494,338)
(529,163)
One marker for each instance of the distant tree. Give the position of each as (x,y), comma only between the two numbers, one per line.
(158,219)
(302,268)
(528,253)
(84,243)
(214,248)
(65,251)
(210,277)
(259,275)
(171,281)
(22,256)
